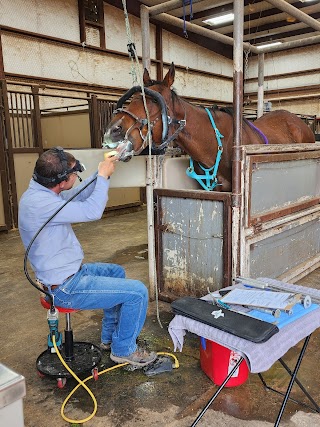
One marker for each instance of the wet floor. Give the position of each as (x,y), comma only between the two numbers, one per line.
(126,397)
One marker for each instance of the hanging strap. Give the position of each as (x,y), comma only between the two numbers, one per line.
(208,180)
(184,3)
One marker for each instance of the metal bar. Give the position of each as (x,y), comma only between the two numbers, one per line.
(238,6)
(12,190)
(293,377)
(168,5)
(12,121)
(301,386)
(265,285)
(296,13)
(297,402)
(18,120)
(217,392)
(28,112)
(4,181)
(159,52)
(94,118)
(23,118)
(145,34)
(289,45)
(2,74)
(260,84)
(37,116)
(171,20)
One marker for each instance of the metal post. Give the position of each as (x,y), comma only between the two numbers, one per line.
(238,7)
(145,34)
(260,85)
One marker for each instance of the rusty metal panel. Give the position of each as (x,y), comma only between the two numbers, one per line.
(191,245)
(280,219)
(283,183)
(282,252)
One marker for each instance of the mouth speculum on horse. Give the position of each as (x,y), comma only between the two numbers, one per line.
(124,147)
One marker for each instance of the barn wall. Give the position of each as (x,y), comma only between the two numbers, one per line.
(26,55)
(190,83)
(295,71)
(67,130)
(52,18)
(29,56)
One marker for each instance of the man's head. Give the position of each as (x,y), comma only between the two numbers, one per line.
(55,166)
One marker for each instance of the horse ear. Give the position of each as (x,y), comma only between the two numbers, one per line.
(146,77)
(169,78)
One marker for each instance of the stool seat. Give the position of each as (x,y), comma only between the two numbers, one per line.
(47,305)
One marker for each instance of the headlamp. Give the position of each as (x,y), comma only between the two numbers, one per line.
(78,167)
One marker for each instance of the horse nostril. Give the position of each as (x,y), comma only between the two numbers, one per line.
(116,130)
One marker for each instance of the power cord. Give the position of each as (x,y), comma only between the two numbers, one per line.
(82,383)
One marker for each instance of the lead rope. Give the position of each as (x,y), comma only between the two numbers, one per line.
(135,71)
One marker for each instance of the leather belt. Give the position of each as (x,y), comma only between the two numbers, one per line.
(52,287)
(45,288)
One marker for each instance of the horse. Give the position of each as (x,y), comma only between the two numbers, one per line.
(205,134)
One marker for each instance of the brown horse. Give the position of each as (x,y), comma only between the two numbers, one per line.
(198,131)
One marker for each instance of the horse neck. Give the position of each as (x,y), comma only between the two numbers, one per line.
(198,138)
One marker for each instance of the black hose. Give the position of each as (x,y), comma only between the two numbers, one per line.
(25,262)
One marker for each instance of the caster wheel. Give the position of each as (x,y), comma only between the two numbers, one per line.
(40,374)
(61,382)
(95,374)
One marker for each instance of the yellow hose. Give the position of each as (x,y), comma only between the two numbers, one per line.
(82,383)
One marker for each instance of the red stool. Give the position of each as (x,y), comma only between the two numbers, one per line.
(80,356)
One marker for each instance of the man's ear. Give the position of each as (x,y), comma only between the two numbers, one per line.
(62,184)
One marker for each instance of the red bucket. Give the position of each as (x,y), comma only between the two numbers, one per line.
(217,362)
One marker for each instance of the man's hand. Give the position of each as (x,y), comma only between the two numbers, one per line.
(107,167)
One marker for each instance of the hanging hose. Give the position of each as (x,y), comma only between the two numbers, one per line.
(135,71)
(82,383)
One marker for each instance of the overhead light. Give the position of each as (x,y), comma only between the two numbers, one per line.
(271,44)
(221,19)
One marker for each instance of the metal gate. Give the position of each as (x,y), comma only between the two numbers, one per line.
(279,224)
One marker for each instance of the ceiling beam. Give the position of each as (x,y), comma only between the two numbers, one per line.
(171,20)
(289,45)
(168,5)
(275,18)
(296,13)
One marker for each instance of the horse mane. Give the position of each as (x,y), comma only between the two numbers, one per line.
(174,94)
(230,111)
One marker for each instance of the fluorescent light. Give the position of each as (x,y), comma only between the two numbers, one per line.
(216,20)
(261,46)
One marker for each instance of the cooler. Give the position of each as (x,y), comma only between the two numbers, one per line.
(12,390)
(217,362)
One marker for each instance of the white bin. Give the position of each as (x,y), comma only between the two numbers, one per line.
(12,390)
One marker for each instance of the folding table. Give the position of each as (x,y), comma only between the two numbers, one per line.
(259,357)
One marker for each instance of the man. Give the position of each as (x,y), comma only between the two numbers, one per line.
(56,254)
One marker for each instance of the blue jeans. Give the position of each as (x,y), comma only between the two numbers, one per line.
(124,302)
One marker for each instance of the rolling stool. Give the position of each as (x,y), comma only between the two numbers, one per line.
(80,356)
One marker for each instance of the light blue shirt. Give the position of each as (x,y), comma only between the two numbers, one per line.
(56,253)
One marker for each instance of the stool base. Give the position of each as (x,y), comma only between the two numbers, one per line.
(86,358)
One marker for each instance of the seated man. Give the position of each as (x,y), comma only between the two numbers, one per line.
(56,255)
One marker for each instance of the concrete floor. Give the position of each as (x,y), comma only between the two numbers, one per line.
(130,398)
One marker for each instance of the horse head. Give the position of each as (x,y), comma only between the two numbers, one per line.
(129,128)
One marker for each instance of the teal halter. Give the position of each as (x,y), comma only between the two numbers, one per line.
(209,180)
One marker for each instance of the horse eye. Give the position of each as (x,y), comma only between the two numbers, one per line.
(155,101)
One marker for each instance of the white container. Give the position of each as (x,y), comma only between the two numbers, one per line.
(12,390)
